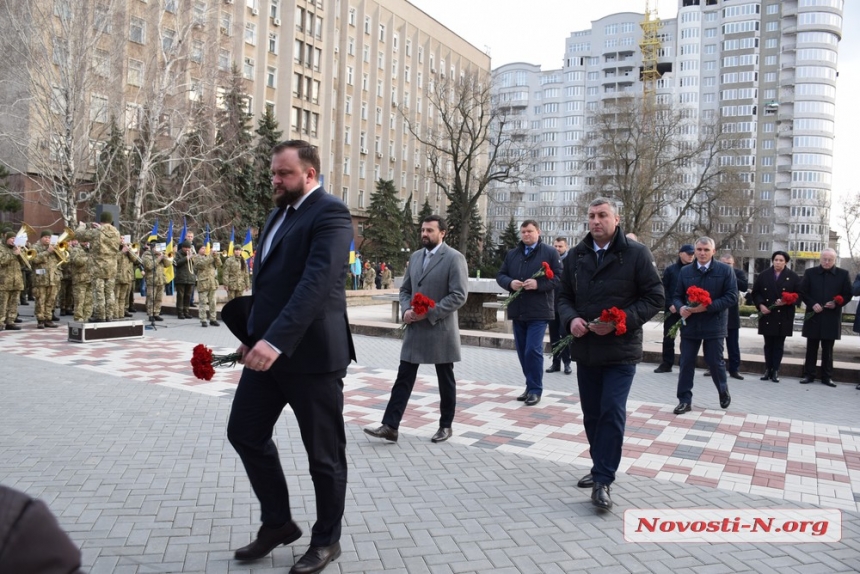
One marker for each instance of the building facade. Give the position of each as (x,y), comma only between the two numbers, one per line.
(764,71)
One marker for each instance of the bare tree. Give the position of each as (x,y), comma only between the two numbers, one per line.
(849,221)
(675,176)
(56,65)
(469,142)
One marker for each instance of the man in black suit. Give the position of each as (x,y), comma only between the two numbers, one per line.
(734,323)
(297,349)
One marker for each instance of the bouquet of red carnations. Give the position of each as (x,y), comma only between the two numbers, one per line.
(420,305)
(838,300)
(696,296)
(203,362)
(613,315)
(786,298)
(544,270)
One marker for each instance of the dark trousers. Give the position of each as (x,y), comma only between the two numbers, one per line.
(812,358)
(774,347)
(714,359)
(733,348)
(669,342)
(402,390)
(556,334)
(528,338)
(603,398)
(317,401)
(183,297)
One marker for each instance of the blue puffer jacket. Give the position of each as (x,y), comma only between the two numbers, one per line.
(719,281)
(537,304)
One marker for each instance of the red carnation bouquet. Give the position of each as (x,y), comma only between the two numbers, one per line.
(786,298)
(613,315)
(203,362)
(545,270)
(420,305)
(696,296)
(838,300)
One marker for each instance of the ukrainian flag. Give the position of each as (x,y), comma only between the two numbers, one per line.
(184,230)
(247,246)
(232,240)
(153,235)
(168,271)
(352,252)
(207,242)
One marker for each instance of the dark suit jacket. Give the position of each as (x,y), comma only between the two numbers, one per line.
(821,286)
(766,290)
(299,294)
(720,282)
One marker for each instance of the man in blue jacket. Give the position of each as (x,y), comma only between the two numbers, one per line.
(534,308)
(704,324)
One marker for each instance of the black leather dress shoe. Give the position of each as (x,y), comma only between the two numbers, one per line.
(567,370)
(553,369)
(857,387)
(767,375)
(523,396)
(532,399)
(682,408)
(268,539)
(829,383)
(736,375)
(600,496)
(443,434)
(774,376)
(706,374)
(586,481)
(663,369)
(807,380)
(725,399)
(383,432)
(316,559)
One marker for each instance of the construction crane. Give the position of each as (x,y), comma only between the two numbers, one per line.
(650,48)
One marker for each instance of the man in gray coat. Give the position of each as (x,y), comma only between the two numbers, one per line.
(439,273)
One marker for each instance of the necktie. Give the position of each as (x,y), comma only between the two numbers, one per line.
(427,257)
(702,268)
(279,220)
(600,254)
(528,250)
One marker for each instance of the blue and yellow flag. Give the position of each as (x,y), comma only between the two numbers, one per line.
(206,242)
(153,235)
(232,240)
(184,231)
(352,252)
(168,250)
(247,246)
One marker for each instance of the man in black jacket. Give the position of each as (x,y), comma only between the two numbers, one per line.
(556,330)
(734,323)
(534,307)
(819,288)
(670,280)
(606,270)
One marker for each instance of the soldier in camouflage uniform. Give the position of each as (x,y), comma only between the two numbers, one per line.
(154,263)
(46,280)
(124,281)
(11,282)
(104,242)
(369,277)
(82,280)
(65,298)
(386,276)
(206,267)
(236,278)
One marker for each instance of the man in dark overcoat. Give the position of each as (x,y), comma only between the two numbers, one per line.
(818,289)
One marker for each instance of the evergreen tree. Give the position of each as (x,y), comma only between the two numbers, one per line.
(407,228)
(509,239)
(8,202)
(268,135)
(112,169)
(235,150)
(473,237)
(425,211)
(383,233)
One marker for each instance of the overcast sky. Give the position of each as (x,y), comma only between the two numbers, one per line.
(535,32)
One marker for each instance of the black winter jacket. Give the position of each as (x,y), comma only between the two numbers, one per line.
(670,281)
(533,305)
(626,279)
(821,286)
(720,282)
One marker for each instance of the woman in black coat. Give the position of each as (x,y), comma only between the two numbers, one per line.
(777,324)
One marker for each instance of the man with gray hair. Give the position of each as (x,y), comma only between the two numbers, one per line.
(704,324)
(819,289)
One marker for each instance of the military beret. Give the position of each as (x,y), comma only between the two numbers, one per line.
(46,233)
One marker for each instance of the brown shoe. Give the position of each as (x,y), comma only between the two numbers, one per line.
(268,539)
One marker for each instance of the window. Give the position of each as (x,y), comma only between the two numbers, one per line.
(273,43)
(135,72)
(101,19)
(196,51)
(133,114)
(223,60)
(170,6)
(382,32)
(98,108)
(251,33)
(226,23)
(271,74)
(137,31)
(167,38)
(101,63)
(248,68)
(351,17)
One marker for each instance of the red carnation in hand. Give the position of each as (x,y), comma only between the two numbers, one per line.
(203,362)
(839,300)
(546,270)
(696,296)
(789,298)
(617,317)
(420,305)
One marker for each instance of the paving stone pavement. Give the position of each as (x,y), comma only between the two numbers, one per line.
(130,452)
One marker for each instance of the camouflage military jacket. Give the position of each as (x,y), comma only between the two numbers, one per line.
(79,265)
(124,268)
(104,245)
(206,267)
(236,275)
(10,271)
(44,265)
(149,263)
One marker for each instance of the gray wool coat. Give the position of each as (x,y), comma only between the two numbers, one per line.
(436,339)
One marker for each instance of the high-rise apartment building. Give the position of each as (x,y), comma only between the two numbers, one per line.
(339,73)
(763,70)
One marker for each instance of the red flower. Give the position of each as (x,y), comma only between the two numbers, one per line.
(789,298)
(420,305)
(696,296)
(203,362)
(546,270)
(839,300)
(612,315)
